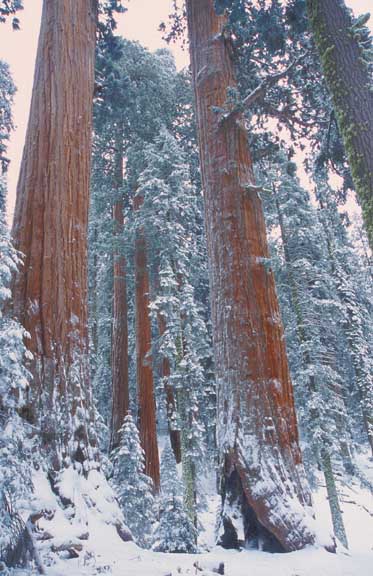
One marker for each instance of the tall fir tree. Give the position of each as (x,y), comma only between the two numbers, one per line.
(175,532)
(129,74)
(133,487)
(355,301)
(15,446)
(169,216)
(315,308)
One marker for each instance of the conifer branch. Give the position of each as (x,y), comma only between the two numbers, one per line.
(268,82)
(260,91)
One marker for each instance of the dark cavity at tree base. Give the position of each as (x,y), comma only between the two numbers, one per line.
(256,535)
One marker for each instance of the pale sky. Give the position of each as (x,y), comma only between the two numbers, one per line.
(140,23)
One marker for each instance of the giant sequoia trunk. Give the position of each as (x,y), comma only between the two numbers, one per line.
(263,478)
(144,370)
(350,85)
(50,226)
(120,398)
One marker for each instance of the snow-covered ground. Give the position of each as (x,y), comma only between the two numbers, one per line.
(90,527)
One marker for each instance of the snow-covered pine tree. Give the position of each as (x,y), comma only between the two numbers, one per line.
(15,476)
(315,309)
(15,448)
(175,531)
(7,91)
(169,217)
(129,74)
(171,485)
(355,298)
(355,318)
(190,383)
(133,487)
(136,96)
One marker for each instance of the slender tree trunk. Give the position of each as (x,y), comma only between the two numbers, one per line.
(120,397)
(188,464)
(350,86)
(146,400)
(94,298)
(262,470)
(170,398)
(331,489)
(50,226)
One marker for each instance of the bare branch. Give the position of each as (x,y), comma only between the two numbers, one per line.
(268,81)
(260,91)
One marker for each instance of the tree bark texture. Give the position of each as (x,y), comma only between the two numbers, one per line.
(262,470)
(350,85)
(331,489)
(120,397)
(50,222)
(144,370)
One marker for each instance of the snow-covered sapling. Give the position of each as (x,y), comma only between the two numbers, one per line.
(133,487)
(175,532)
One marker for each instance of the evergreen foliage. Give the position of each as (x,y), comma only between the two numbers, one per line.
(8,8)
(315,327)
(175,531)
(171,484)
(355,298)
(156,167)
(305,275)
(127,73)
(133,487)
(15,447)
(7,91)
(169,217)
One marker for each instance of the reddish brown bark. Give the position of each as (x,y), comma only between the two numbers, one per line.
(260,458)
(120,399)
(50,223)
(144,370)
(170,398)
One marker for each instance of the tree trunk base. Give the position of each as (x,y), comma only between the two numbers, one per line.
(236,510)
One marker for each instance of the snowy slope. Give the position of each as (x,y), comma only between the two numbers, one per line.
(91,525)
